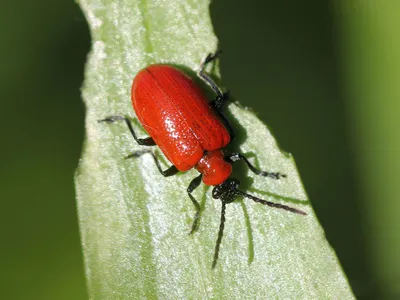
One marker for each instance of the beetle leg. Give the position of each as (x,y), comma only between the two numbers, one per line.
(192,186)
(226,124)
(237,156)
(218,101)
(221,97)
(144,142)
(166,173)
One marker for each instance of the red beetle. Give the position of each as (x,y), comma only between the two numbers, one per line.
(191,133)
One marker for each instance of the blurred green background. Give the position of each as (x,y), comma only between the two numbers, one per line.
(324,77)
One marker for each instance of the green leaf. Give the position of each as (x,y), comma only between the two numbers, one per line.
(135,223)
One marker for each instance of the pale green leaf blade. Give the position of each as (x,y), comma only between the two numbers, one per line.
(135,223)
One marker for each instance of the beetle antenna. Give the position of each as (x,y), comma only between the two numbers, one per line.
(220,234)
(227,193)
(271,204)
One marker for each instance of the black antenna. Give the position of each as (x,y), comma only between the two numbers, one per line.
(220,234)
(227,192)
(272,204)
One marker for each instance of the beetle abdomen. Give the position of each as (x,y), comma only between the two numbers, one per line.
(176,114)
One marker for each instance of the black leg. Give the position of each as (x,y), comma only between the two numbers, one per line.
(144,142)
(221,97)
(192,186)
(166,173)
(219,100)
(226,124)
(237,156)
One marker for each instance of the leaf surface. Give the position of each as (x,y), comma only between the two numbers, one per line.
(135,223)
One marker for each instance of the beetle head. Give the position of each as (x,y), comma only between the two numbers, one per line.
(226,191)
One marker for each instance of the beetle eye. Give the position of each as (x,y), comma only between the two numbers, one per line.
(217,192)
